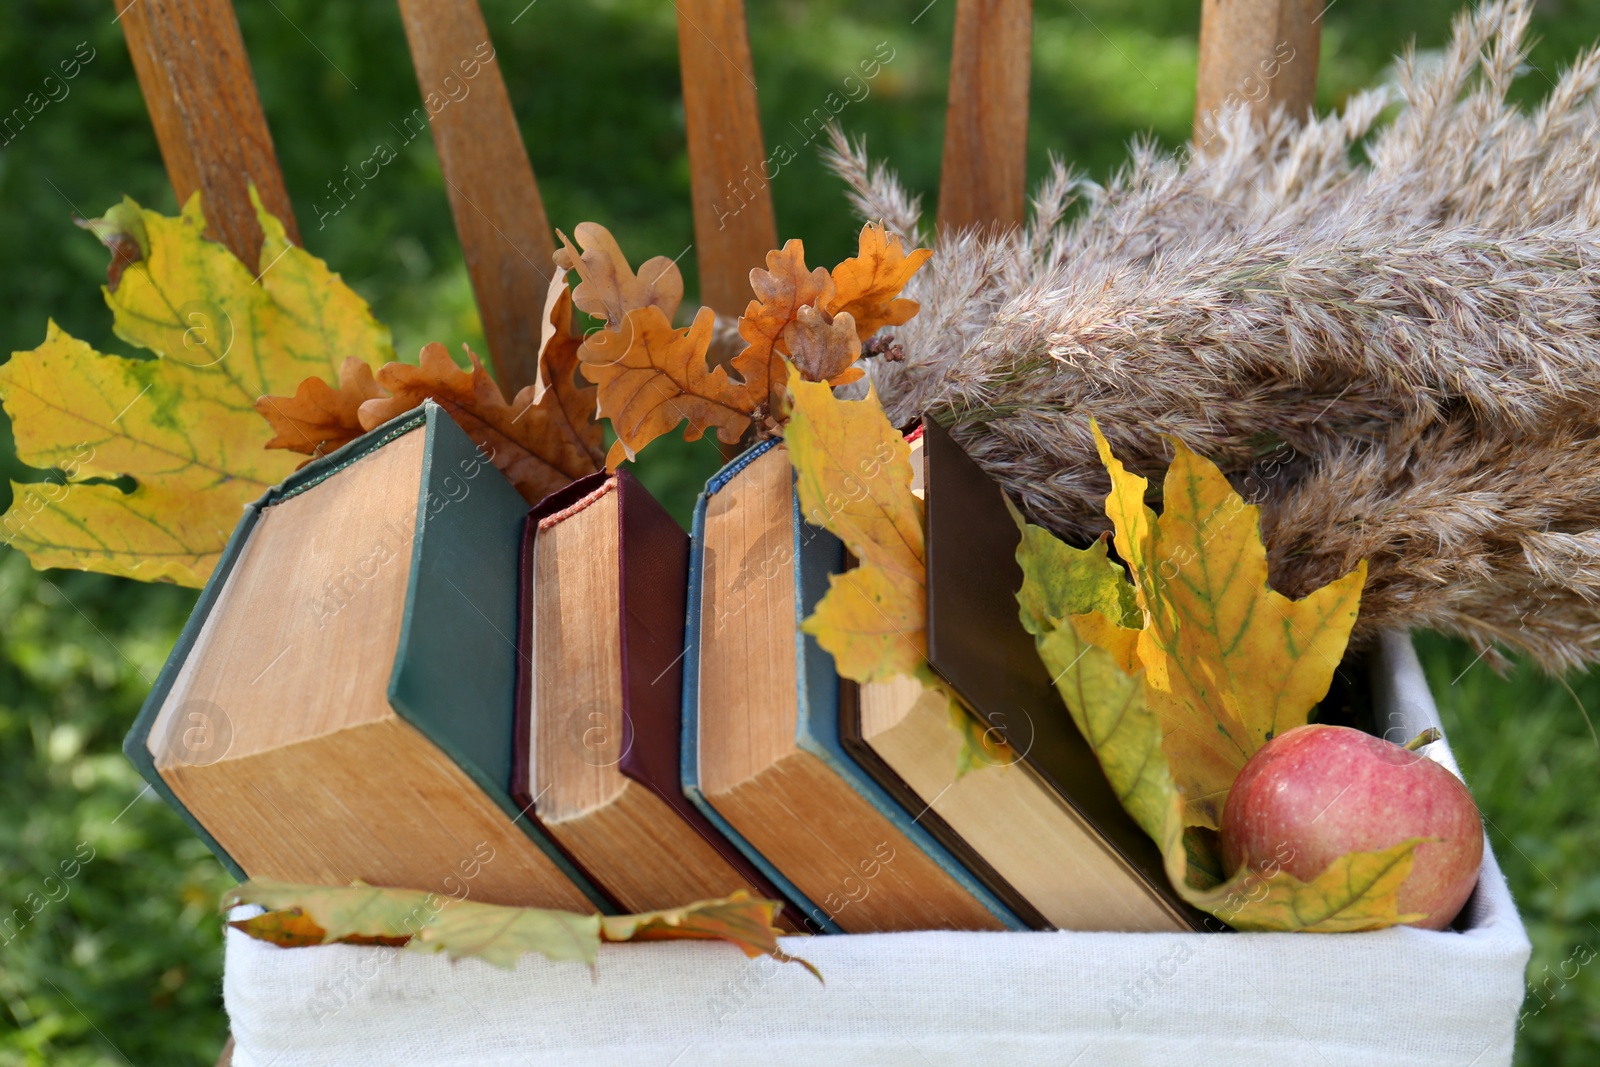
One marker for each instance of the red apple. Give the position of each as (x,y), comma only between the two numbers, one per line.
(1315,793)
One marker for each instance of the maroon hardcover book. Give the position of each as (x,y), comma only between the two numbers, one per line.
(654,573)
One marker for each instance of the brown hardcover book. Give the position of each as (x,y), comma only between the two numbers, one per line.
(340,705)
(763,711)
(1043,822)
(604,583)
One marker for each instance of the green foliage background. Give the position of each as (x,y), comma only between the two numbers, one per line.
(125,966)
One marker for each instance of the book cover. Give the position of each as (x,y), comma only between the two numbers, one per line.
(460,608)
(816,555)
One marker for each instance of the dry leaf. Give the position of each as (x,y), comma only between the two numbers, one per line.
(319,418)
(608,288)
(542,440)
(1149,732)
(303,915)
(781,291)
(652,377)
(528,442)
(423,922)
(570,403)
(824,348)
(867,285)
(739,919)
(293,928)
(181,424)
(501,935)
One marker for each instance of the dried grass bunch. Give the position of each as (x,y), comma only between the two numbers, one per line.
(1398,359)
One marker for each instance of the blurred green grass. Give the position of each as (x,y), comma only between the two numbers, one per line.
(124,965)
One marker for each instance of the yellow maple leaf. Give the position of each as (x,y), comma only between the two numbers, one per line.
(182,425)
(853,476)
(1196,615)
(873,623)
(1216,635)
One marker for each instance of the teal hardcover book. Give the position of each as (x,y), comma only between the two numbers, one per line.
(822,829)
(340,704)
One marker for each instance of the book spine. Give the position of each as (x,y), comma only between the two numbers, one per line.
(135,746)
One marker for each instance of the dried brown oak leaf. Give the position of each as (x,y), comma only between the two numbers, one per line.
(824,349)
(868,284)
(653,377)
(561,391)
(609,288)
(320,418)
(544,438)
(524,440)
(781,291)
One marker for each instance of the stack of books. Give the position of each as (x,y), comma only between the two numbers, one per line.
(402,675)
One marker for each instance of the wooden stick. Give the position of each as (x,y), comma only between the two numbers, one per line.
(1261,53)
(986,124)
(197,85)
(730,178)
(505,235)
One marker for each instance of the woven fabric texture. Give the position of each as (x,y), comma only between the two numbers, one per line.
(1392,998)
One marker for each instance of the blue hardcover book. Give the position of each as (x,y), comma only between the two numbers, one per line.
(762,754)
(340,704)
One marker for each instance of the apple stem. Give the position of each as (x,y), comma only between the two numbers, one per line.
(1426,737)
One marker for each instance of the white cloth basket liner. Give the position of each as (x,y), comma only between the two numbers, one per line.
(1394,997)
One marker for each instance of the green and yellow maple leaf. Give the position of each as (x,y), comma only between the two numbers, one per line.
(305,915)
(182,425)
(1212,650)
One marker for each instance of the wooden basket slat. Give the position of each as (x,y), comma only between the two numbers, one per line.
(505,236)
(195,76)
(984,170)
(734,226)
